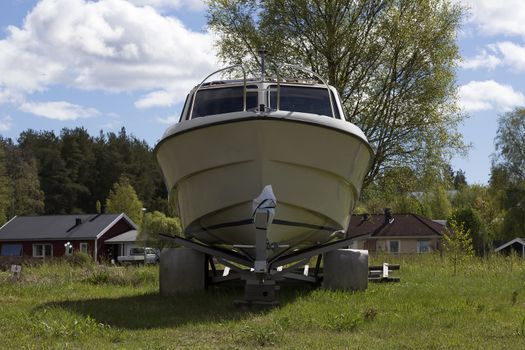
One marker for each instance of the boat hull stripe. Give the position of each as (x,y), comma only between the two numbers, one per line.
(276,222)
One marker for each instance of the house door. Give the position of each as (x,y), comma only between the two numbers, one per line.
(112,251)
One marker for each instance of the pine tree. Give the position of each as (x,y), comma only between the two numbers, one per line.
(5,188)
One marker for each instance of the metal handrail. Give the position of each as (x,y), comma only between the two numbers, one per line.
(212,74)
(307,71)
(278,85)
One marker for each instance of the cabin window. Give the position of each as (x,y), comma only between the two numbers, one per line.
(423,246)
(223,100)
(83,247)
(42,250)
(11,250)
(393,246)
(304,99)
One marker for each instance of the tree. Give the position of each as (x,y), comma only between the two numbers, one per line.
(510,144)
(52,172)
(392,62)
(156,223)
(460,179)
(28,197)
(123,199)
(508,172)
(471,221)
(457,243)
(439,203)
(484,203)
(5,188)
(77,151)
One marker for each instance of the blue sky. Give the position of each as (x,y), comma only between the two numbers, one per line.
(112,63)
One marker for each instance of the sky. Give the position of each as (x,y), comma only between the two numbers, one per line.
(112,63)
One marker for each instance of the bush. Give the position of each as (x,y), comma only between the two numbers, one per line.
(80,259)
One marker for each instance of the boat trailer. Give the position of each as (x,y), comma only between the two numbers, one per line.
(261,273)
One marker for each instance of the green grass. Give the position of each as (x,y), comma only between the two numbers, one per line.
(58,306)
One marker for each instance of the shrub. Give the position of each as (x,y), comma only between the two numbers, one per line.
(80,259)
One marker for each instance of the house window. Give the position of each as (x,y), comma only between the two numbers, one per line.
(423,246)
(42,250)
(83,247)
(11,250)
(393,246)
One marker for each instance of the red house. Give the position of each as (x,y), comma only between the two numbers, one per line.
(58,235)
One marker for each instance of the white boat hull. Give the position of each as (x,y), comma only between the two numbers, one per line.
(217,165)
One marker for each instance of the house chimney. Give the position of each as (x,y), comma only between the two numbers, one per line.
(388,216)
(78,221)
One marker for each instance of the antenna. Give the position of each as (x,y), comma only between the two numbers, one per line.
(262,53)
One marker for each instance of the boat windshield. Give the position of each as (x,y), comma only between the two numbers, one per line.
(223,100)
(220,100)
(303,99)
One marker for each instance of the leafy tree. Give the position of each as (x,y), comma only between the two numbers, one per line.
(28,197)
(410,204)
(439,203)
(510,144)
(457,244)
(484,202)
(508,172)
(123,198)
(156,223)
(471,221)
(392,62)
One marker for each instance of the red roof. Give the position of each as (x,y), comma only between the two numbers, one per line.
(399,225)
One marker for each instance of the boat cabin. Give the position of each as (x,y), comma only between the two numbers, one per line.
(222,97)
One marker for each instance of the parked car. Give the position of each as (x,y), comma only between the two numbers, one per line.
(140,255)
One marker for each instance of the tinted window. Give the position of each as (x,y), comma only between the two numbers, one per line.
(394,246)
(136,251)
(304,99)
(222,100)
(11,250)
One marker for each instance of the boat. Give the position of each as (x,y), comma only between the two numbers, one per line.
(286,140)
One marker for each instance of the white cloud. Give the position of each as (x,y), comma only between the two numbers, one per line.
(169,120)
(483,60)
(503,53)
(58,110)
(162,5)
(512,54)
(110,45)
(486,95)
(161,98)
(6,123)
(497,17)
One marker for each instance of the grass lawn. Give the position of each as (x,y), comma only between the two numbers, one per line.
(58,306)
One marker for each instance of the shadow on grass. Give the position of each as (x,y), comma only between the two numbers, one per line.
(151,310)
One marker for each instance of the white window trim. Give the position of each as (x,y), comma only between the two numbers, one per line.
(421,240)
(83,247)
(42,244)
(398,245)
